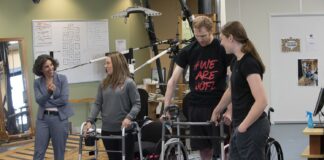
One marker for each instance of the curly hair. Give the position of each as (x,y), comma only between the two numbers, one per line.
(40,61)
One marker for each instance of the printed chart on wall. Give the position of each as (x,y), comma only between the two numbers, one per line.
(73,43)
(297,65)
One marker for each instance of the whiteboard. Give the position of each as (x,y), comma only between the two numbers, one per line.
(291,100)
(73,43)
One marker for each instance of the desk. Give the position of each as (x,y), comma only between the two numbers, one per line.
(315,150)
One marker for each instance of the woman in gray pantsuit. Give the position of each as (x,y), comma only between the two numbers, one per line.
(52,95)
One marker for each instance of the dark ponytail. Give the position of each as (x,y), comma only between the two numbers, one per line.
(238,32)
(249,48)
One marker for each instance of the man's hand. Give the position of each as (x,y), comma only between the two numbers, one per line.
(165,116)
(216,115)
(126,123)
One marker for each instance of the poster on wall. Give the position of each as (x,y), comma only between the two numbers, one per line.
(290,45)
(307,72)
(311,43)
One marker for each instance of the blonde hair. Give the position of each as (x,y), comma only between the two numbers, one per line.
(203,21)
(120,70)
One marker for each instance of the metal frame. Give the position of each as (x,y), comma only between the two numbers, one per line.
(175,139)
(97,136)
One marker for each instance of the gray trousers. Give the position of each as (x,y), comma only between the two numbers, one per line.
(54,129)
(250,145)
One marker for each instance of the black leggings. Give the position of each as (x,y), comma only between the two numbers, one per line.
(116,145)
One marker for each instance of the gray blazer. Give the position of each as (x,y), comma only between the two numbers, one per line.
(59,99)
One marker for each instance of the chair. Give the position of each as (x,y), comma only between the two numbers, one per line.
(150,130)
(144,105)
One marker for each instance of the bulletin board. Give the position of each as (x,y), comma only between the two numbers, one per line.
(73,42)
(294,40)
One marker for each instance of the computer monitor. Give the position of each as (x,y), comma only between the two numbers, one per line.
(319,103)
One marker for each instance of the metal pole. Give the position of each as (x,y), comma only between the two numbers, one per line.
(123,144)
(222,140)
(186,13)
(205,7)
(218,17)
(163,141)
(81,140)
(151,33)
(178,133)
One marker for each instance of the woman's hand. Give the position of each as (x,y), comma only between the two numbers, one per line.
(86,127)
(126,123)
(241,128)
(227,116)
(51,88)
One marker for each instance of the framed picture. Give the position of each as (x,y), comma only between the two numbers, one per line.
(307,72)
(290,45)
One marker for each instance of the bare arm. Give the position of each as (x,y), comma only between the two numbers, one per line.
(260,103)
(228,115)
(177,72)
(223,103)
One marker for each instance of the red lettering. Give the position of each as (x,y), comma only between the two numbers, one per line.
(203,64)
(205,75)
(208,64)
(196,65)
(205,86)
(199,75)
(211,75)
(212,63)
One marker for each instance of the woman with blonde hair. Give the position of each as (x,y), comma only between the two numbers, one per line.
(118,101)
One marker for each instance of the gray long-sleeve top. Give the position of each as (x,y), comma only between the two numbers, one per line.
(116,104)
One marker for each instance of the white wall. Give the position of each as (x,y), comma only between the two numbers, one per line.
(254,14)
